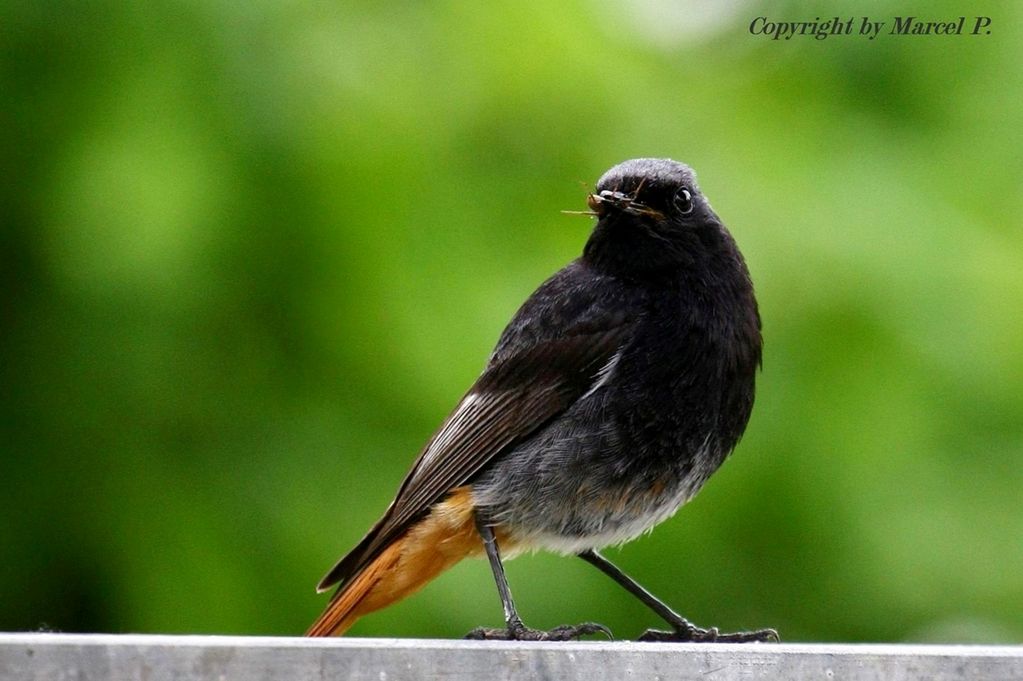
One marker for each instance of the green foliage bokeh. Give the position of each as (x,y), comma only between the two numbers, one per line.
(252,253)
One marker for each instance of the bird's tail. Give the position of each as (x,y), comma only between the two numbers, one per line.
(430,546)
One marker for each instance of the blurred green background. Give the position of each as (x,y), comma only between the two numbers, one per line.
(252,253)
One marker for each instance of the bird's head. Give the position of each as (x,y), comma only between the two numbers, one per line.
(652,220)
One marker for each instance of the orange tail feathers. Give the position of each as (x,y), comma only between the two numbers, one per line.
(438,541)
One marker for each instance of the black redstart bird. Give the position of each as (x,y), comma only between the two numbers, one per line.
(616,390)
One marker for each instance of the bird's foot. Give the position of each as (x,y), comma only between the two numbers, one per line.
(517,631)
(690,633)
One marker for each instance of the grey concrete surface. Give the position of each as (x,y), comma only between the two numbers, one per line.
(88,657)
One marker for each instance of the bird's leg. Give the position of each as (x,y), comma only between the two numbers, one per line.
(684,630)
(515,630)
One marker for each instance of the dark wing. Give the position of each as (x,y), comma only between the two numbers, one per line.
(547,358)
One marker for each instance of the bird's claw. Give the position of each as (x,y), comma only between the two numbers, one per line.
(520,632)
(690,633)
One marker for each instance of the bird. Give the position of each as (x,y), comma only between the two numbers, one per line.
(616,390)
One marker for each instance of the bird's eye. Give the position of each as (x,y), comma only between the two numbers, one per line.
(683,201)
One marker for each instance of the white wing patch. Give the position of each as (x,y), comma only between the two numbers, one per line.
(604,375)
(465,413)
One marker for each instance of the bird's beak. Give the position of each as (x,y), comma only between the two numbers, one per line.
(600,203)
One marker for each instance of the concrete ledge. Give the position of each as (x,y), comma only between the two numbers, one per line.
(88,657)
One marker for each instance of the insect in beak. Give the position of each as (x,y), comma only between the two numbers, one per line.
(600,203)
(624,202)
